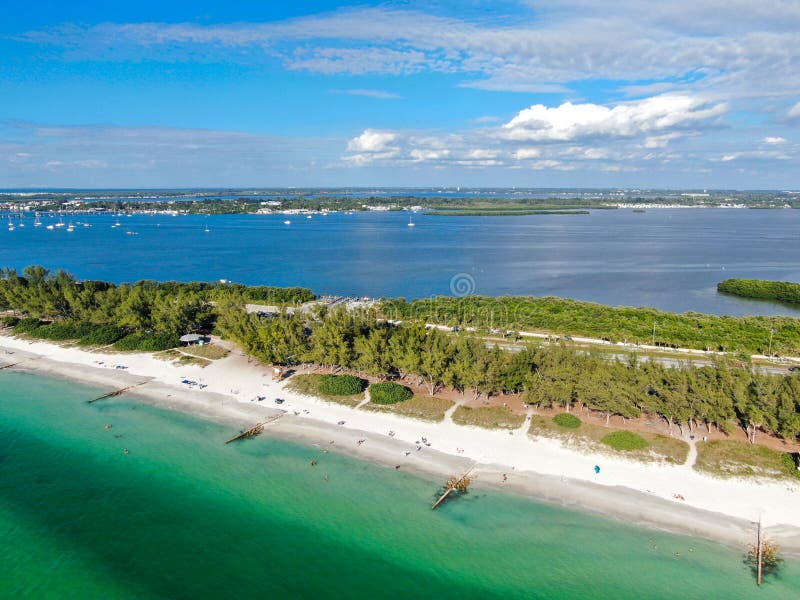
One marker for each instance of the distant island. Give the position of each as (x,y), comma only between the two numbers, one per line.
(760,289)
(480,202)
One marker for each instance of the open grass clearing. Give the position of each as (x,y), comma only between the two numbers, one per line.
(424,408)
(588,438)
(209,351)
(488,417)
(730,458)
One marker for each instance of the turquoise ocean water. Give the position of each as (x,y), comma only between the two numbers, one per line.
(185,516)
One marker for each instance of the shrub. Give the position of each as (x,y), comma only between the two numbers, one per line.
(148,342)
(389,393)
(27,325)
(341,385)
(61,331)
(9,321)
(102,335)
(625,440)
(567,420)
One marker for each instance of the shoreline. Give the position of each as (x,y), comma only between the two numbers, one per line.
(638,494)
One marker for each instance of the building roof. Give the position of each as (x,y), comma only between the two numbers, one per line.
(191,337)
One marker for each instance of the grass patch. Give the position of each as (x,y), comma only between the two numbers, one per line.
(625,441)
(567,421)
(209,351)
(488,417)
(309,385)
(588,438)
(729,458)
(193,360)
(424,408)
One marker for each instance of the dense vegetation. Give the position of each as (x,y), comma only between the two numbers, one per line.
(146,315)
(689,330)
(780,291)
(341,385)
(721,396)
(389,392)
(153,314)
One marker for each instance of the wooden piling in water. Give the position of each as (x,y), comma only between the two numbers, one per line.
(115,393)
(454,484)
(759,555)
(254,430)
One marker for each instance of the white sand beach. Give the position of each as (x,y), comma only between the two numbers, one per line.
(642,493)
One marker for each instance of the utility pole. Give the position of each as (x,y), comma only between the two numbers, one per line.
(771,333)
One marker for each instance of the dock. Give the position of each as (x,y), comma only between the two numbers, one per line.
(254,430)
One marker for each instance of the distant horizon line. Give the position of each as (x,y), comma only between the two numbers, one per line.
(383,188)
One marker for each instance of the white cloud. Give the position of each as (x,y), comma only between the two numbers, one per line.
(526,153)
(379,94)
(574,121)
(659,141)
(794,112)
(421,154)
(731,47)
(774,140)
(372,140)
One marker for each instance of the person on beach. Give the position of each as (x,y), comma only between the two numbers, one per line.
(597,469)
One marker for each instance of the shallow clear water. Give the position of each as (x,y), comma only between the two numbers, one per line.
(185,516)
(668,258)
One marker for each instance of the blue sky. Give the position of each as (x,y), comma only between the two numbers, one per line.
(576,93)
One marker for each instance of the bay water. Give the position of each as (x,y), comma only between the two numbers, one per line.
(671,259)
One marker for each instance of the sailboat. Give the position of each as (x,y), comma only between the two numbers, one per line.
(207,230)
(10,224)
(410,222)
(60,222)
(70,227)
(36,221)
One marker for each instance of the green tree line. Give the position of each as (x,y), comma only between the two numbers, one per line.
(689,330)
(145,306)
(721,396)
(779,291)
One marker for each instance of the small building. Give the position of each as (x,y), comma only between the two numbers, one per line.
(194,339)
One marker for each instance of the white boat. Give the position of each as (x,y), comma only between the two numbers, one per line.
(207,230)
(70,227)
(60,222)
(287,222)
(36,221)
(50,227)
(411,223)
